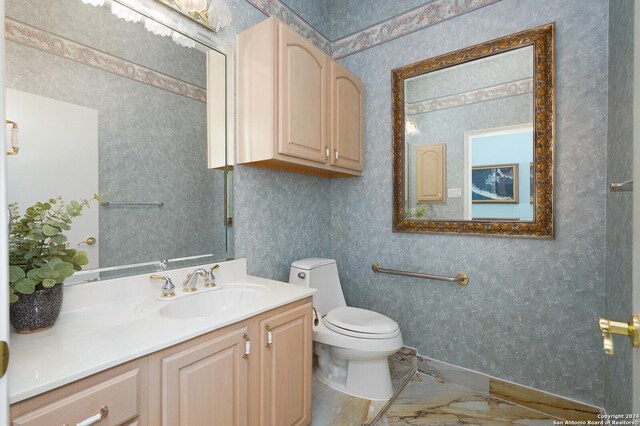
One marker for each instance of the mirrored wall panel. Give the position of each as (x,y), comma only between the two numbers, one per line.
(110,102)
(473,139)
(469,140)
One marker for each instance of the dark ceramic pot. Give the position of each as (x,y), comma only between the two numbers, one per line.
(36,312)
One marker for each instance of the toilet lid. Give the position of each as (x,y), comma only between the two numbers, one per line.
(361,321)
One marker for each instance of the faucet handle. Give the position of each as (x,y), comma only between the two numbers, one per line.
(168,289)
(211,279)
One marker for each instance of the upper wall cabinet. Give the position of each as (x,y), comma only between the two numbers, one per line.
(298,110)
(347,119)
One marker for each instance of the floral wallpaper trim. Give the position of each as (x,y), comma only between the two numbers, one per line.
(282,11)
(431,13)
(45,41)
(484,94)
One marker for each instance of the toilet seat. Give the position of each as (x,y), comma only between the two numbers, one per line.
(361,323)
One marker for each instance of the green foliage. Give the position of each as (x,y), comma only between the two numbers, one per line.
(39,256)
(420,211)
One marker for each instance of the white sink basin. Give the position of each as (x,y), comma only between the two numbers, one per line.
(208,303)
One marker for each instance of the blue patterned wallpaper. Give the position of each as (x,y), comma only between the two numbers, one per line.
(339,18)
(350,16)
(317,13)
(512,320)
(618,368)
(279,217)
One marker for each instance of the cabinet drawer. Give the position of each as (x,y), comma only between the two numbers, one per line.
(118,394)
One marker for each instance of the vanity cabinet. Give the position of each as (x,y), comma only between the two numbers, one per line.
(206,383)
(120,393)
(256,371)
(285,360)
(298,109)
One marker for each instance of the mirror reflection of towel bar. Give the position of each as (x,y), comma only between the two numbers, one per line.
(622,186)
(110,204)
(460,278)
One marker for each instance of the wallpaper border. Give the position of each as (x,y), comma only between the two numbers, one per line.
(27,35)
(280,10)
(424,16)
(485,94)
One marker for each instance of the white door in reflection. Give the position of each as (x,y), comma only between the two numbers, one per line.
(58,157)
(498,173)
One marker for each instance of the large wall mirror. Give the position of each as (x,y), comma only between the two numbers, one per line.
(117,101)
(473,139)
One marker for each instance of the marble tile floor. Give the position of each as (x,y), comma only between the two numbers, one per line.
(426,400)
(334,408)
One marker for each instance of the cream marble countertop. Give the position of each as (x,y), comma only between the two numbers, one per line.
(103,325)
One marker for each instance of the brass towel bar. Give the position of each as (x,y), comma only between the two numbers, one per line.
(112,204)
(460,278)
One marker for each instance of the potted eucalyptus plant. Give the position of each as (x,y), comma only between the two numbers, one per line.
(40,259)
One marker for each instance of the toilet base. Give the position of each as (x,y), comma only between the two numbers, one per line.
(369,379)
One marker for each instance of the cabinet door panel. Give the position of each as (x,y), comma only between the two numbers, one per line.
(347,119)
(303,97)
(430,173)
(207,384)
(285,364)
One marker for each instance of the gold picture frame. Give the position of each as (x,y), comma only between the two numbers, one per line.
(542,39)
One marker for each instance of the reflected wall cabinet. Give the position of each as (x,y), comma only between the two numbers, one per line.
(431,173)
(298,109)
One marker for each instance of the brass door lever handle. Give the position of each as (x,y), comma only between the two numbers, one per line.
(89,241)
(609,328)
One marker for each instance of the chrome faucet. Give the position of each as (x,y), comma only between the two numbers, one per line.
(192,279)
(168,289)
(210,280)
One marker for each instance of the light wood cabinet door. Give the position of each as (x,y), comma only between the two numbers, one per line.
(285,368)
(303,97)
(207,384)
(431,173)
(347,119)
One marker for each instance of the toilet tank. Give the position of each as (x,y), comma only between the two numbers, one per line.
(321,274)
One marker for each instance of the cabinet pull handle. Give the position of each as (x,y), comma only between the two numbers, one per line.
(104,411)
(337,154)
(247,346)
(269,337)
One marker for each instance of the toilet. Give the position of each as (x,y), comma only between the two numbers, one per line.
(352,344)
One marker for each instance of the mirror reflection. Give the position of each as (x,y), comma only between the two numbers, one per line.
(110,102)
(469,140)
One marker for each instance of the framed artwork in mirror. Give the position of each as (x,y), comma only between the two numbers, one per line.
(491,108)
(494,184)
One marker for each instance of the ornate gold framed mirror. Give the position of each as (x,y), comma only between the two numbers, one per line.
(473,139)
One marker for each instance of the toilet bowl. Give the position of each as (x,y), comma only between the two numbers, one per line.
(352,344)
